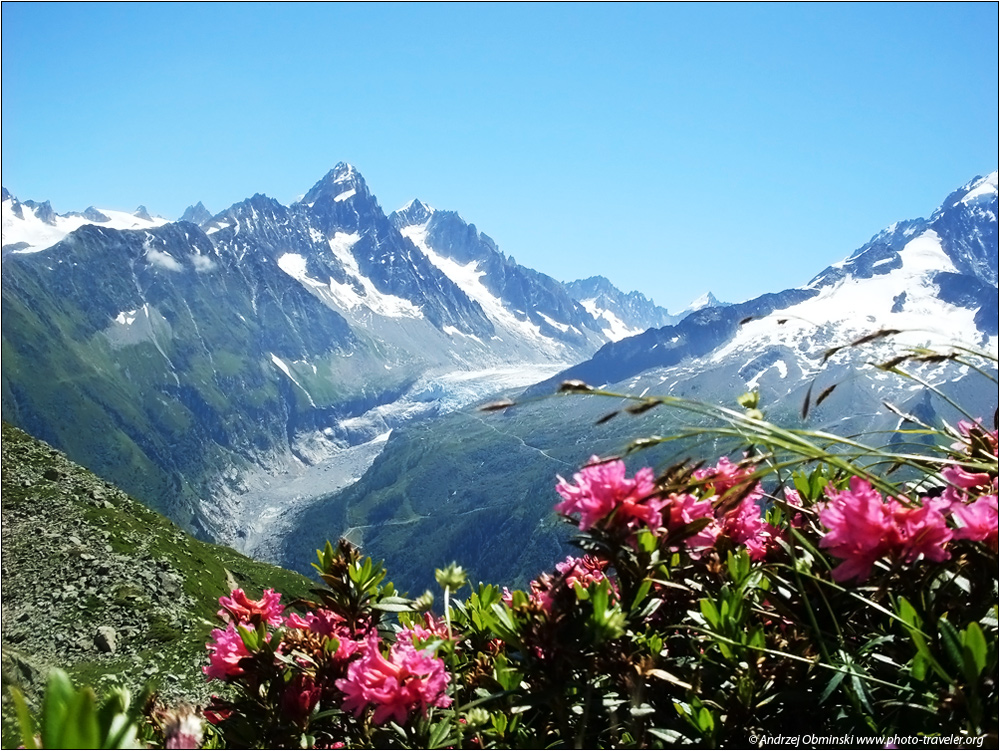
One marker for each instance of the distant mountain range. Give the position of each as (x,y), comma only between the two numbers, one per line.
(478,488)
(193,362)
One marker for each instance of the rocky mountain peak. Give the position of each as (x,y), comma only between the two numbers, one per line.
(43,211)
(142,213)
(707,300)
(340,184)
(94,215)
(196,214)
(414,213)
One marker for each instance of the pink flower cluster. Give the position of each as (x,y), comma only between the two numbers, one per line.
(329,624)
(604,496)
(225,652)
(405,680)
(865,528)
(583,571)
(227,649)
(602,489)
(240,608)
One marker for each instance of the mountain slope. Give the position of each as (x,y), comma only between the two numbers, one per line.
(197,362)
(935,278)
(99,585)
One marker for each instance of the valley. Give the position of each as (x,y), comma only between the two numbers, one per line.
(273,376)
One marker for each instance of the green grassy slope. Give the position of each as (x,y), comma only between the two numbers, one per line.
(97,584)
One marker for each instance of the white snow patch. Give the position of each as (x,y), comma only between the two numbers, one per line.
(452,331)
(345,195)
(554,323)
(853,307)
(287,371)
(468,279)
(986,190)
(39,235)
(127,317)
(617,329)
(347,295)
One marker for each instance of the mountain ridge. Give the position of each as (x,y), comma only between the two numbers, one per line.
(211,355)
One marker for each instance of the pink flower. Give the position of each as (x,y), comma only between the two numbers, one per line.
(396,685)
(244,610)
(583,571)
(979,520)
(745,525)
(864,528)
(420,634)
(921,531)
(725,476)
(683,509)
(226,650)
(970,430)
(602,488)
(861,529)
(962,478)
(330,624)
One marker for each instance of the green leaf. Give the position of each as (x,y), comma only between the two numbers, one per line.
(952,642)
(911,620)
(24,721)
(394,605)
(640,594)
(55,708)
(82,730)
(710,612)
(837,679)
(440,735)
(976,648)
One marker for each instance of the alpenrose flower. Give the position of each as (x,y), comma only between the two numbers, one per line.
(725,476)
(745,525)
(684,508)
(602,489)
(406,680)
(864,528)
(242,609)
(978,520)
(225,652)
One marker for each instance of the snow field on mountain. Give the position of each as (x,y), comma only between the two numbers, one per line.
(854,307)
(40,235)
(467,278)
(616,329)
(345,296)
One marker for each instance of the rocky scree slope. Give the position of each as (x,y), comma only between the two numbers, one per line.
(97,584)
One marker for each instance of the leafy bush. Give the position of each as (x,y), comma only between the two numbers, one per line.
(796,590)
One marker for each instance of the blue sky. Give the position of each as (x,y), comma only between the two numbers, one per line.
(673,148)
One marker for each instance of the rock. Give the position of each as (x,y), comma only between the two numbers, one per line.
(106,639)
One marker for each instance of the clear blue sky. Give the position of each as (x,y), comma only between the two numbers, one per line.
(672,148)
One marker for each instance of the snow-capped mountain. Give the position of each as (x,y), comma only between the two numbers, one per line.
(520,302)
(627,314)
(934,280)
(29,227)
(925,282)
(205,355)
